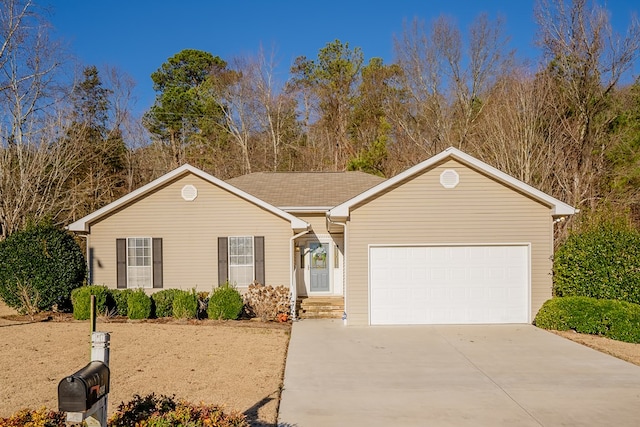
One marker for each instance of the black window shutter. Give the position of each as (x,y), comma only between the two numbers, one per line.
(223,261)
(121,263)
(258,260)
(157,262)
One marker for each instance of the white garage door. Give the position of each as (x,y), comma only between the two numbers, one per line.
(449,284)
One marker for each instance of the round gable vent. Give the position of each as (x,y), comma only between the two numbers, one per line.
(189,193)
(449,178)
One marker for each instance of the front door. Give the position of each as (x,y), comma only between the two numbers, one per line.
(319,267)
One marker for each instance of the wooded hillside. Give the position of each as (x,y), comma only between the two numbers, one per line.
(569,127)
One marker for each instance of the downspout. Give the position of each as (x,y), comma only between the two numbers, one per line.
(293,285)
(344,265)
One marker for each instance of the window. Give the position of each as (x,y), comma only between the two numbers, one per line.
(241,266)
(139,262)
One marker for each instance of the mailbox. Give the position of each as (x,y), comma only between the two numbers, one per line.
(80,391)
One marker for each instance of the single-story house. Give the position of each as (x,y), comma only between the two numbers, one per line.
(451,240)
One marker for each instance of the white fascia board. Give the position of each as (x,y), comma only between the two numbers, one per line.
(82,225)
(305,209)
(342,211)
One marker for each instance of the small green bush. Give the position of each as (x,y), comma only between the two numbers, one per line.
(163,411)
(39,267)
(225,303)
(601,262)
(163,302)
(81,300)
(185,305)
(139,305)
(618,320)
(120,298)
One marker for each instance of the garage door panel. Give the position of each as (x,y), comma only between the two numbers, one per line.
(457,284)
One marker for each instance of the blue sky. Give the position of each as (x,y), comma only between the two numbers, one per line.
(137,36)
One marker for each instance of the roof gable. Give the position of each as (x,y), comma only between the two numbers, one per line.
(82,225)
(558,208)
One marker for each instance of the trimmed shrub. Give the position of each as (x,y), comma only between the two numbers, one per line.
(138,305)
(225,303)
(163,302)
(618,320)
(163,411)
(40,418)
(81,301)
(267,302)
(120,298)
(39,267)
(185,305)
(601,262)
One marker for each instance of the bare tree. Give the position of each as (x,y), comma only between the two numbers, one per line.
(276,109)
(511,134)
(235,91)
(33,178)
(446,82)
(33,168)
(585,62)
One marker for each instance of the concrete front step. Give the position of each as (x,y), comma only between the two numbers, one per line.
(320,307)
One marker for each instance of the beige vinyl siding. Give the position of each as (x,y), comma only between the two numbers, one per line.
(420,211)
(318,222)
(190,232)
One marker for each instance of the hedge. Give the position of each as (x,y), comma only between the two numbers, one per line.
(602,262)
(618,320)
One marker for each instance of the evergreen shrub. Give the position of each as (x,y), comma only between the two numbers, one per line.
(601,262)
(225,303)
(163,302)
(39,267)
(81,301)
(120,299)
(618,320)
(138,305)
(185,305)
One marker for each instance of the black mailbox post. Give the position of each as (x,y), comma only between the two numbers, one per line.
(80,391)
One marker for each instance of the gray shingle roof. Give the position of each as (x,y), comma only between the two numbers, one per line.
(305,189)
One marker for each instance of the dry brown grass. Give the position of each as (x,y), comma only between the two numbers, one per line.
(622,350)
(237,364)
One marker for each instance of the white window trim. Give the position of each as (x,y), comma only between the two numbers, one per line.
(148,285)
(252,265)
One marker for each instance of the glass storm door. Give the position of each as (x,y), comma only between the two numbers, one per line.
(319,267)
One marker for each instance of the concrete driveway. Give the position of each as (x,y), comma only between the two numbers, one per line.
(499,375)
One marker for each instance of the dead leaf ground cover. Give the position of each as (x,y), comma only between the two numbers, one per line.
(237,364)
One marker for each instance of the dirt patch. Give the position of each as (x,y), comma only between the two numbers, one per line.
(237,364)
(622,350)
